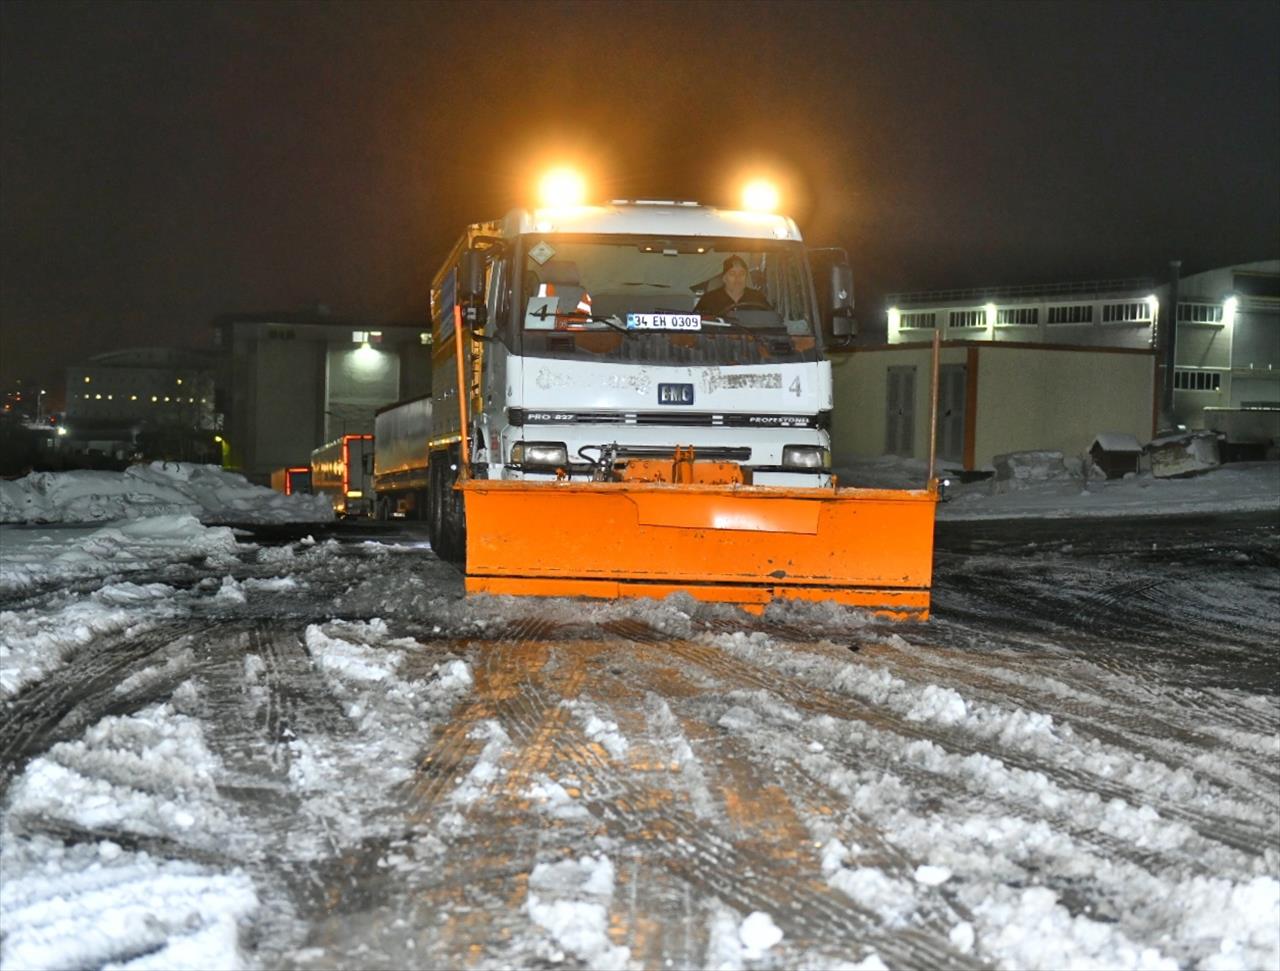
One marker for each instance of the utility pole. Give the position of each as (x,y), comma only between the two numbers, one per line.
(1169,343)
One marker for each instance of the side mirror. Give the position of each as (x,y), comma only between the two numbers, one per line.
(842,320)
(841,290)
(842,326)
(471,270)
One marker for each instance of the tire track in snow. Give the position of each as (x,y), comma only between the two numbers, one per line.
(1147,732)
(1238,834)
(698,854)
(73,697)
(1252,840)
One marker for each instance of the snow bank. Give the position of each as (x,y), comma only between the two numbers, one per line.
(1051,487)
(158,489)
(33,642)
(31,555)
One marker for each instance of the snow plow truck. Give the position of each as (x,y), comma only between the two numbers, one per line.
(607,423)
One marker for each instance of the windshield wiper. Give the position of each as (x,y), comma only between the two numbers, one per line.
(742,328)
(609,322)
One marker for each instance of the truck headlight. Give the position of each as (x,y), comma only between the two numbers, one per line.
(806,456)
(551,455)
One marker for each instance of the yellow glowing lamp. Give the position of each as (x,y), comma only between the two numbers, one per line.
(760,196)
(561,188)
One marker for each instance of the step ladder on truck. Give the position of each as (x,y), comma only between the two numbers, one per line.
(608,425)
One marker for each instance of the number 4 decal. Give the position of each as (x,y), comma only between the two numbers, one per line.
(794,387)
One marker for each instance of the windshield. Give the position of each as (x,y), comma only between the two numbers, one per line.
(644,299)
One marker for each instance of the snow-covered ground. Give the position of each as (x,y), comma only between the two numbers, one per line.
(217,753)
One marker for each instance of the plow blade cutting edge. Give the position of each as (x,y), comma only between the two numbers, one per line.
(868,548)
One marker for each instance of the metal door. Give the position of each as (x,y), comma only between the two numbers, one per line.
(900,411)
(951,395)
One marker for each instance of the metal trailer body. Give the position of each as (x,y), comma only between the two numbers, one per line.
(343,470)
(292,479)
(400,477)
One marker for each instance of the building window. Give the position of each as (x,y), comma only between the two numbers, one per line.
(968,318)
(1197,380)
(280,333)
(1249,284)
(1200,313)
(1018,315)
(1077,313)
(919,320)
(1138,312)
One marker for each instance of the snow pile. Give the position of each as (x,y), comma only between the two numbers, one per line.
(158,489)
(394,707)
(731,942)
(570,900)
(89,902)
(1018,470)
(86,905)
(151,774)
(1236,487)
(31,646)
(34,555)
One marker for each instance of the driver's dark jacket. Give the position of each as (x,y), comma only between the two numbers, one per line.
(715,302)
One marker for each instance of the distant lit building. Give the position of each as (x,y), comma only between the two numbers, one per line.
(24,400)
(156,385)
(148,403)
(1051,366)
(288,383)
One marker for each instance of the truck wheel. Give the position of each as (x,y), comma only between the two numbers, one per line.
(435,506)
(455,523)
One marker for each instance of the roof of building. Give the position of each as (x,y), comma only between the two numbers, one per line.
(1076,288)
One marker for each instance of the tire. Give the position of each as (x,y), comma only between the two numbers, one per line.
(455,521)
(435,505)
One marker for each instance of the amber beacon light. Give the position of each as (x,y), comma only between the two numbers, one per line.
(562,187)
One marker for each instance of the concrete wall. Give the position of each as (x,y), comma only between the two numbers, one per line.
(861,382)
(283,417)
(1025,398)
(1059,399)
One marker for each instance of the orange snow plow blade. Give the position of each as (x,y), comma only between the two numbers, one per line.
(746,545)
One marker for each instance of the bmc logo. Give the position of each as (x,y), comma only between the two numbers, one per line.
(675,394)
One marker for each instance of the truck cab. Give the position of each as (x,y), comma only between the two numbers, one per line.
(593,348)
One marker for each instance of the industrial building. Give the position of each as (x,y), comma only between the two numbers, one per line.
(289,383)
(148,400)
(1052,366)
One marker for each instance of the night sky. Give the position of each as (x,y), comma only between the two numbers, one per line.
(163,163)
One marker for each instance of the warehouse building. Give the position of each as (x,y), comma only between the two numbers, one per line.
(288,383)
(1053,366)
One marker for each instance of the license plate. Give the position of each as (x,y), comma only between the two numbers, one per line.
(664,322)
(675,394)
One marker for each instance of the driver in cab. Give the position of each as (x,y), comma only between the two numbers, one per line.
(734,291)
